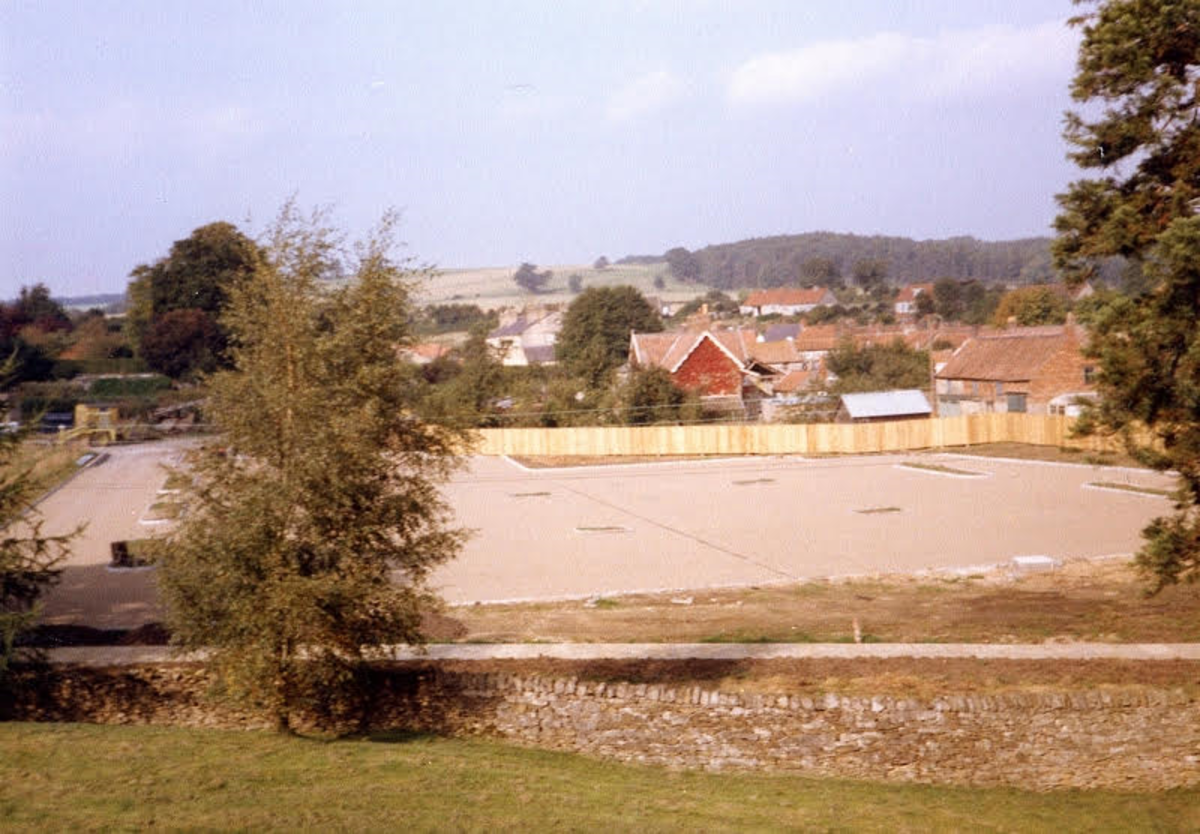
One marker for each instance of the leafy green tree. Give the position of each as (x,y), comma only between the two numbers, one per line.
(449,318)
(575,283)
(35,307)
(1138,75)
(29,559)
(466,397)
(877,367)
(870,273)
(682,263)
(820,271)
(649,396)
(195,275)
(719,304)
(601,263)
(1148,351)
(530,280)
(1031,306)
(316,522)
(595,333)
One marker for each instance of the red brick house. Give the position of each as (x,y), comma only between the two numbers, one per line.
(1039,370)
(716,364)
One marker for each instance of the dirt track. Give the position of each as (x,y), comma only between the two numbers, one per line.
(581,532)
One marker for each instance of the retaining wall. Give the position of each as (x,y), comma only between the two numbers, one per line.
(1120,737)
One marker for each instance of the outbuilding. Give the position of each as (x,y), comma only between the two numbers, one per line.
(881,406)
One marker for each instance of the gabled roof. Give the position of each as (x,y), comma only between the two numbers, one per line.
(776,353)
(514,328)
(669,350)
(903,403)
(1005,357)
(909,292)
(785,297)
(731,342)
(818,337)
(794,381)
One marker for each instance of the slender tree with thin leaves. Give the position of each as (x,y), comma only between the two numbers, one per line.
(317,520)
(29,558)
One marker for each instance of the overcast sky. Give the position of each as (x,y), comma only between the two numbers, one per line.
(552,132)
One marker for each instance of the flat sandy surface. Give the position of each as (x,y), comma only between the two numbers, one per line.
(619,529)
(758,520)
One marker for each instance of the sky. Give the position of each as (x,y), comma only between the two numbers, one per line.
(550,132)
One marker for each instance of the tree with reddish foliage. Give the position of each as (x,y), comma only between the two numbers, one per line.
(182,343)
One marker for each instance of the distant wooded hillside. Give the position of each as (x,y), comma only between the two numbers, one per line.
(827,257)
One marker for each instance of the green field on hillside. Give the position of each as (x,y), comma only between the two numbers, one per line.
(56,777)
(492,287)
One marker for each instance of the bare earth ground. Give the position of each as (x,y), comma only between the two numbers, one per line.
(1085,601)
(765,522)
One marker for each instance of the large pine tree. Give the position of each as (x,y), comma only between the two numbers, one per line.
(1139,79)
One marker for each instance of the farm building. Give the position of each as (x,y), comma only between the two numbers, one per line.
(1039,370)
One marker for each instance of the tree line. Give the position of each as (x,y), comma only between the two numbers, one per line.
(832,259)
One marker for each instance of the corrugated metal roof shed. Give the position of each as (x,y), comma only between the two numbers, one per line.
(905,403)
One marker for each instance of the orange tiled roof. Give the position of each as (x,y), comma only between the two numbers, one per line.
(909,292)
(1005,356)
(785,296)
(795,381)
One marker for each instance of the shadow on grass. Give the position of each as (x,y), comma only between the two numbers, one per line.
(399,736)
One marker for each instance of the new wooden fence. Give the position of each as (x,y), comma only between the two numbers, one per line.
(775,439)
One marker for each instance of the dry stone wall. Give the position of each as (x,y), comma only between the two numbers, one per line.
(1127,737)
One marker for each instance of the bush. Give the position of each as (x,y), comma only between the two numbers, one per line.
(136,386)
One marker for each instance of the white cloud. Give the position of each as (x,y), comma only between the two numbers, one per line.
(644,95)
(956,63)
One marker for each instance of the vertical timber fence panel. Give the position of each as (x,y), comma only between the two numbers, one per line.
(782,439)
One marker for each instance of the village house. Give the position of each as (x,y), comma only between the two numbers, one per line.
(786,301)
(718,365)
(527,340)
(1038,370)
(906,299)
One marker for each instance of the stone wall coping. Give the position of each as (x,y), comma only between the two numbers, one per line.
(121,655)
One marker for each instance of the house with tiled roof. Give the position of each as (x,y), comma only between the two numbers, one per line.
(1039,370)
(527,340)
(786,301)
(906,299)
(716,364)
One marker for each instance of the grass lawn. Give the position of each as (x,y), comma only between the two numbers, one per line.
(70,777)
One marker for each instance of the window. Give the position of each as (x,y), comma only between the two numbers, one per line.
(999,389)
(1089,374)
(1016,403)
